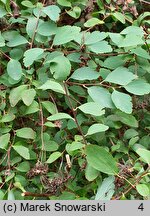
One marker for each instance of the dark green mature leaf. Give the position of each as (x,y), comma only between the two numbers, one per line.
(28,96)
(119,16)
(91,173)
(52,12)
(2,41)
(131,40)
(139,51)
(68,33)
(127,119)
(121,76)
(31,55)
(138,87)
(101,96)
(75,12)
(17,40)
(100,159)
(96,128)
(26,133)
(60,67)
(14,69)
(122,101)
(64,3)
(85,73)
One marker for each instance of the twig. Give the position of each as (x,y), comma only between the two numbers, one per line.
(145,2)
(35,194)
(4,54)
(74,113)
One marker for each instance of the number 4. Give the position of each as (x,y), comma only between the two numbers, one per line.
(141,207)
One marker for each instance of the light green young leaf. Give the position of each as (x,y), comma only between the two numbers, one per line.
(122,101)
(101,160)
(52,12)
(143,189)
(92,22)
(59,116)
(17,41)
(106,189)
(60,67)
(134,30)
(26,133)
(16,94)
(119,16)
(144,154)
(2,12)
(101,96)
(31,55)
(53,157)
(121,76)
(22,151)
(52,85)
(31,26)
(139,51)
(116,38)
(8,117)
(75,12)
(96,128)
(4,140)
(100,47)
(2,41)
(91,173)
(92,108)
(68,33)
(28,96)
(14,69)
(138,87)
(131,40)
(27,4)
(85,73)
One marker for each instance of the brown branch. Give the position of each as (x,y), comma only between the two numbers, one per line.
(4,54)
(74,113)
(87,84)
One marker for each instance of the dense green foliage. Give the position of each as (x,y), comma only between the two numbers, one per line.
(74,99)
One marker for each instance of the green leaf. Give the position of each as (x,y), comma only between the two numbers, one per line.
(64,3)
(74,146)
(143,190)
(91,173)
(116,38)
(121,76)
(144,154)
(17,40)
(95,37)
(127,119)
(100,47)
(52,12)
(16,94)
(138,87)
(85,73)
(51,146)
(31,55)
(134,30)
(2,41)
(26,133)
(23,167)
(130,133)
(52,85)
(68,33)
(139,51)
(50,107)
(75,12)
(14,69)
(8,117)
(28,96)
(122,101)
(34,107)
(59,116)
(101,96)
(92,22)
(101,160)
(53,157)
(96,128)
(60,67)
(31,26)
(131,40)
(106,189)
(27,4)
(47,28)
(11,195)
(114,62)
(92,108)
(4,140)
(119,16)
(22,151)
(2,12)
